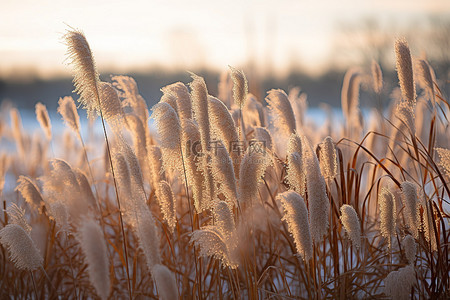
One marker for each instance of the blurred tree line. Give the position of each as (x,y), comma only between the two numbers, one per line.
(355,44)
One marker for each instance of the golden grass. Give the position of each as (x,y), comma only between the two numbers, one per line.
(245,248)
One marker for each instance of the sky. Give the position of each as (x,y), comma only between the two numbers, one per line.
(181,34)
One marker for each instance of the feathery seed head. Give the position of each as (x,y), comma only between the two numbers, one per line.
(409,246)
(147,234)
(328,159)
(425,77)
(22,250)
(377,77)
(212,243)
(253,166)
(405,71)
(295,144)
(167,202)
(352,226)
(444,159)
(30,192)
(182,97)
(155,161)
(295,173)
(165,282)
(281,110)
(411,203)
(224,220)
(169,131)
(85,188)
(16,215)
(405,113)
(222,123)
(350,93)
(222,172)
(296,216)
(240,86)
(318,202)
(93,244)
(44,119)
(194,173)
(264,136)
(398,283)
(86,78)
(199,96)
(110,104)
(69,113)
(388,214)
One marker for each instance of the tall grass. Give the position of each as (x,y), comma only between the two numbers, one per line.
(229,200)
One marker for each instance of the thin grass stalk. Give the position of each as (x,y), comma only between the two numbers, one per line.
(34,284)
(108,150)
(190,215)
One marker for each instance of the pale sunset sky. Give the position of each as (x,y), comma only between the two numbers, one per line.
(133,35)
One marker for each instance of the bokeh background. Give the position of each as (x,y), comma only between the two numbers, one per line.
(278,43)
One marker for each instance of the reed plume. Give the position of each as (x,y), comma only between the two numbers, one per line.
(224,220)
(328,159)
(377,77)
(148,237)
(30,192)
(388,214)
(240,86)
(167,202)
(139,137)
(69,113)
(44,120)
(444,162)
(62,184)
(263,135)
(296,216)
(182,99)
(398,283)
(253,112)
(90,236)
(165,282)
(350,94)
(425,78)
(299,104)
(405,71)
(295,172)
(411,207)
(199,96)
(16,126)
(405,113)
(16,215)
(85,188)
(223,173)
(318,203)
(156,167)
(222,124)
(409,245)
(86,78)
(428,219)
(252,170)
(194,172)
(110,105)
(281,110)
(128,90)
(22,250)
(211,242)
(352,225)
(168,126)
